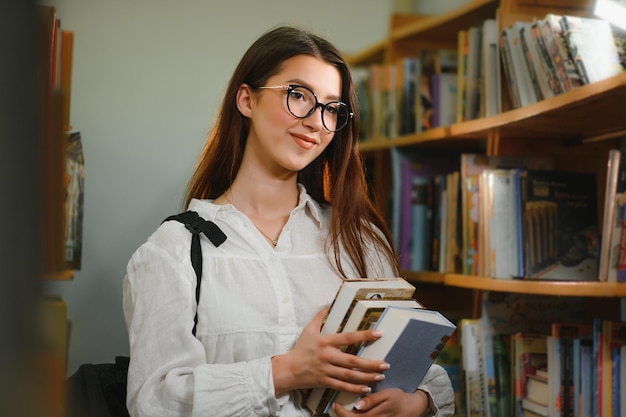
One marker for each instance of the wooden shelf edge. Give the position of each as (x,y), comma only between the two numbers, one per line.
(561,102)
(425,277)
(560,288)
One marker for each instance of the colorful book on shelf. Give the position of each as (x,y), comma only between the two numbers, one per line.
(412,339)
(528,353)
(592,47)
(613,336)
(453,242)
(507,314)
(502,216)
(586,378)
(362,82)
(407,87)
(520,74)
(621,261)
(561,233)
(565,69)
(461,98)
(490,96)
(450,358)
(613,219)
(534,408)
(444,92)
(567,333)
(415,206)
(538,69)
(502,402)
(74,201)
(472,361)
(472,166)
(389,101)
(348,295)
(474,66)
(554,372)
(546,60)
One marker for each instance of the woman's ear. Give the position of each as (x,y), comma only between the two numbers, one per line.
(245,100)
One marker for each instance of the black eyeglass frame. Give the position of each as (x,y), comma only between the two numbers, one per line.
(324,106)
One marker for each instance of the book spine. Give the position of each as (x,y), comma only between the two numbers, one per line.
(555,56)
(507,63)
(621,265)
(530,64)
(547,61)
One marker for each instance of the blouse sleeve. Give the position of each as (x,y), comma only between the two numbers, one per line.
(168,373)
(437,385)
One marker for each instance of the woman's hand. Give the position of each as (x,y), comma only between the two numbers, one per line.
(317,361)
(388,402)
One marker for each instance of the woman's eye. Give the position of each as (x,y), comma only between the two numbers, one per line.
(296,95)
(332,109)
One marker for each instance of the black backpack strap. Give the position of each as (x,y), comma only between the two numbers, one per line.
(196,225)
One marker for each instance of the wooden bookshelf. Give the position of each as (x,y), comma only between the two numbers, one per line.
(577,128)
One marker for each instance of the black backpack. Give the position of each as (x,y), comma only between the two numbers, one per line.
(99,390)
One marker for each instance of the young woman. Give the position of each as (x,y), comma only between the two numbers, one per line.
(281,176)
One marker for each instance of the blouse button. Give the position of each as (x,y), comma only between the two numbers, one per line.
(285,300)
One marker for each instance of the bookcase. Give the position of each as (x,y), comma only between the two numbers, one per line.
(576,129)
(54,59)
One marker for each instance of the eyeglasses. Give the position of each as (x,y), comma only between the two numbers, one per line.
(302,102)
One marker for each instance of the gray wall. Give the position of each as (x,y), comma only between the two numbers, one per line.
(148,76)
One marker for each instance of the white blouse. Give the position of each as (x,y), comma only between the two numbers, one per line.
(254,302)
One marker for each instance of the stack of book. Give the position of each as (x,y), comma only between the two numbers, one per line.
(412,336)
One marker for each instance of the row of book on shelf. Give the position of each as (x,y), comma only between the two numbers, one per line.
(534,356)
(539,59)
(507,217)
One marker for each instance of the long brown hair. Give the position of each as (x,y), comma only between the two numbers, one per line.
(336,177)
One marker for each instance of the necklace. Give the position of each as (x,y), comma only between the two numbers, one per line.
(274,242)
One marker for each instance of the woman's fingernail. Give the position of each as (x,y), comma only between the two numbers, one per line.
(366,390)
(359,404)
(384,366)
(379,377)
(377,333)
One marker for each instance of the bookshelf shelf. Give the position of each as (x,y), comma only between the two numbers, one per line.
(559,288)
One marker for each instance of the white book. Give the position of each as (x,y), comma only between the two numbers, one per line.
(352,290)
(504,249)
(490,95)
(525,86)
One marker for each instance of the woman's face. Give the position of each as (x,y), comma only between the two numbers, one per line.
(278,140)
